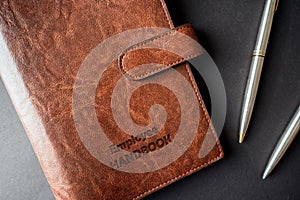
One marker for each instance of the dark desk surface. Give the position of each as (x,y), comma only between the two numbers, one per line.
(227,29)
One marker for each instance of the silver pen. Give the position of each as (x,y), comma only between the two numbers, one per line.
(284,142)
(256,65)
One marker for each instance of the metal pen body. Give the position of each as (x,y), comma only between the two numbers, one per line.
(256,65)
(265,28)
(284,142)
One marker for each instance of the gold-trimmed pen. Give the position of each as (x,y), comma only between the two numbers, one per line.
(256,65)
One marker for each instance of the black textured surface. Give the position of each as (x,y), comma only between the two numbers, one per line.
(227,29)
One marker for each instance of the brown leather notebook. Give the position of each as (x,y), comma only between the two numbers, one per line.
(105,95)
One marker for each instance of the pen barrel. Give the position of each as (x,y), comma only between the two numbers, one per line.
(289,134)
(265,28)
(285,140)
(251,91)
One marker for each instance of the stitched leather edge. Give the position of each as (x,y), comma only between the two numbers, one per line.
(191,171)
(139,45)
(207,119)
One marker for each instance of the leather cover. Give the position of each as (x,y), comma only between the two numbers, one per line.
(47,42)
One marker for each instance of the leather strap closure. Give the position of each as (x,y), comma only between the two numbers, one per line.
(160,53)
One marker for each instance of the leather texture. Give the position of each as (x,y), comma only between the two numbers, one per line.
(152,51)
(48,41)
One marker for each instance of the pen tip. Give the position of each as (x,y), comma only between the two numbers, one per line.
(264,176)
(266,172)
(242,137)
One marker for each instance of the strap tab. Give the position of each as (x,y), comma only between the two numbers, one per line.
(160,53)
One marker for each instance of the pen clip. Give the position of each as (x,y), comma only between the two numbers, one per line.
(276,7)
